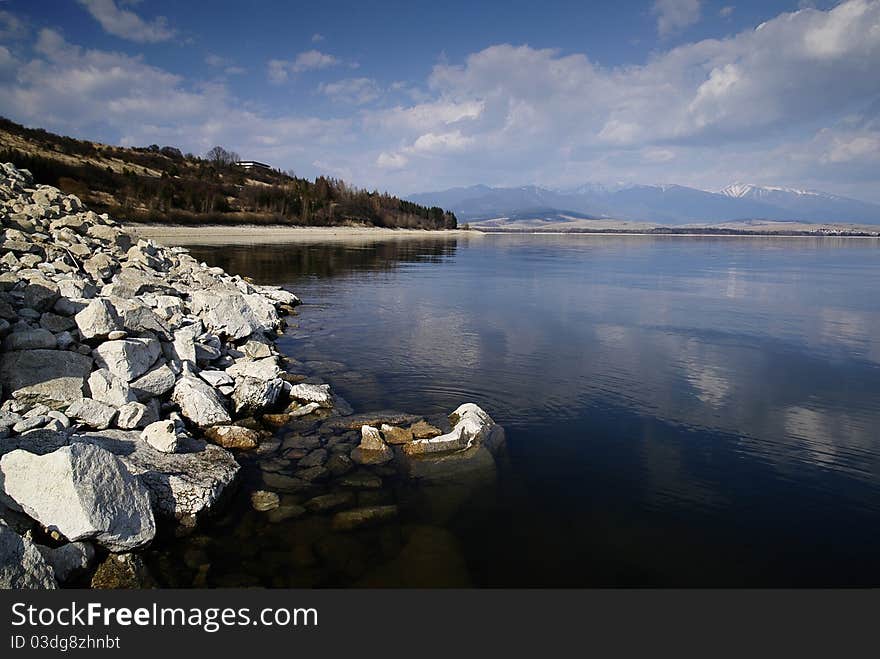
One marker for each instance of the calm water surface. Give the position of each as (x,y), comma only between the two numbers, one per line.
(679,411)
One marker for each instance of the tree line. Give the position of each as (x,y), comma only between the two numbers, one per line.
(161,184)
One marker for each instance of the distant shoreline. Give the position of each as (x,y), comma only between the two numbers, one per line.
(255,234)
(211,234)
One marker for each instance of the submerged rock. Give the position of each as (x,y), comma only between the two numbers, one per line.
(263,501)
(329,502)
(424,430)
(123,571)
(372,450)
(395,434)
(363,517)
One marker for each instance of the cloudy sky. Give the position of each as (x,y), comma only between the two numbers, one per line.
(424,95)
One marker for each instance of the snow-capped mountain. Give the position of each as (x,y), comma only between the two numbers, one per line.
(752,191)
(668,204)
(808,205)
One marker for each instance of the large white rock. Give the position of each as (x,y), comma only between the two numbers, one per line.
(279,295)
(99,318)
(110,388)
(312,393)
(128,358)
(232,314)
(22,566)
(471,424)
(199,402)
(52,377)
(253,394)
(184,484)
(81,491)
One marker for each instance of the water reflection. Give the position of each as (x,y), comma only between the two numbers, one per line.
(680,411)
(286,262)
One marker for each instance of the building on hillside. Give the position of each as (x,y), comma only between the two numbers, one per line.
(252,164)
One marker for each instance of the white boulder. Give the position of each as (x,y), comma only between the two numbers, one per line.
(199,402)
(184,484)
(312,393)
(110,388)
(253,394)
(128,358)
(99,318)
(81,491)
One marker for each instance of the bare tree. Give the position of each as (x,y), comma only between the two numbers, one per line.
(221,157)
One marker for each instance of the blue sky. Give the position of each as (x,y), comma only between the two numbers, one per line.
(413,96)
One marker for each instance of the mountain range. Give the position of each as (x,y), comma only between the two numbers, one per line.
(673,205)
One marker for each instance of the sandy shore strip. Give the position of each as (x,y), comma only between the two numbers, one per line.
(255,234)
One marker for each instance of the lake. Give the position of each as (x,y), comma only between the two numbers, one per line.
(680,411)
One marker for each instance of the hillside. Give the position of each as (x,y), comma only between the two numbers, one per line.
(160,184)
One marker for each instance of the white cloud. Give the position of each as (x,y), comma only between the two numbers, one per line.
(727,11)
(675,15)
(442,142)
(317,37)
(702,113)
(126,24)
(81,92)
(391,160)
(311,60)
(357,91)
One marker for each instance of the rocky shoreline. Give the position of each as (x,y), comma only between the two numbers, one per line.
(135,383)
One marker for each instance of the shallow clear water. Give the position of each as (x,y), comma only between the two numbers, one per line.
(679,411)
